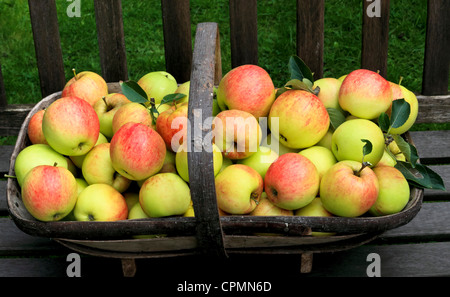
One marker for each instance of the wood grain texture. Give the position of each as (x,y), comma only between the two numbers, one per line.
(437,44)
(200,156)
(310,34)
(243,32)
(375,36)
(177,38)
(47,44)
(433,109)
(111,40)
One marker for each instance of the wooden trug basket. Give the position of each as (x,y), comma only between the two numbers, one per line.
(206,233)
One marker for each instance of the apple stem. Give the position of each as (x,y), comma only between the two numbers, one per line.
(364,165)
(74,73)
(55,164)
(400,80)
(254,197)
(10,176)
(388,139)
(108,108)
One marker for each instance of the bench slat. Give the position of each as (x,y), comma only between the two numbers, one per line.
(432,146)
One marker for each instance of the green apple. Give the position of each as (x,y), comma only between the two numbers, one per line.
(131,198)
(49,193)
(34,155)
(292,181)
(272,141)
(329,91)
(81,183)
(301,117)
(400,92)
(86,85)
(261,160)
(365,94)
(169,163)
(71,126)
(387,159)
(137,151)
(164,194)
(321,157)
(248,88)
(237,133)
(265,207)
(225,163)
(106,108)
(348,191)
(394,191)
(181,161)
(34,129)
(326,139)
(78,160)
(131,112)
(136,212)
(158,84)
(100,202)
(183,89)
(346,141)
(97,168)
(238,189)
(315,209)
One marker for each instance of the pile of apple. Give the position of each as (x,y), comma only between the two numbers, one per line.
(99,156)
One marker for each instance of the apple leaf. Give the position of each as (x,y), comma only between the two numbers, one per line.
(133,91)
(400,112)
(384,122)
(407,149)
(336,117)
(420,176)
(299,70)
(172,97)
(367,148)
(297,84)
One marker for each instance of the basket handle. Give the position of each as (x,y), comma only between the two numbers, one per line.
(206,71)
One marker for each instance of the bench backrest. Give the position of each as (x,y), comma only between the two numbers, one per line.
(244,45)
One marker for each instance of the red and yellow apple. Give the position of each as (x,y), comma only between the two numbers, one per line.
(172,125)
(106,108)
(302,119)
(49,193)
(248,88)
(131,112)
(34,129)
(348,191)
(86,85)
(137,151)
(292,181)
(365,94)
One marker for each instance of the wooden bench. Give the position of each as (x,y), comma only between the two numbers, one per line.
(419,248)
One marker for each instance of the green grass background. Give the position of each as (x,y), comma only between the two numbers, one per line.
(145,49)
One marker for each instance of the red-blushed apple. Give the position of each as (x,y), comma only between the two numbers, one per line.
(265,207)
(164,194)
(100,202)
(49,193)
(322,157)
(172,125)
(400,92)
(106,108)
(261,160)
(34,155)
(348,191)
(292,181)
(302,119)
(97,168)
(237,133)
(71,126)
(394,191)
(315,209)
(131,112)
(365,94)
(86,85)
(347,144)
(238,189)
(181,161)
(137,151)
(34,129)
(329,91)
(247,87)
(158,84)
(78,160)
